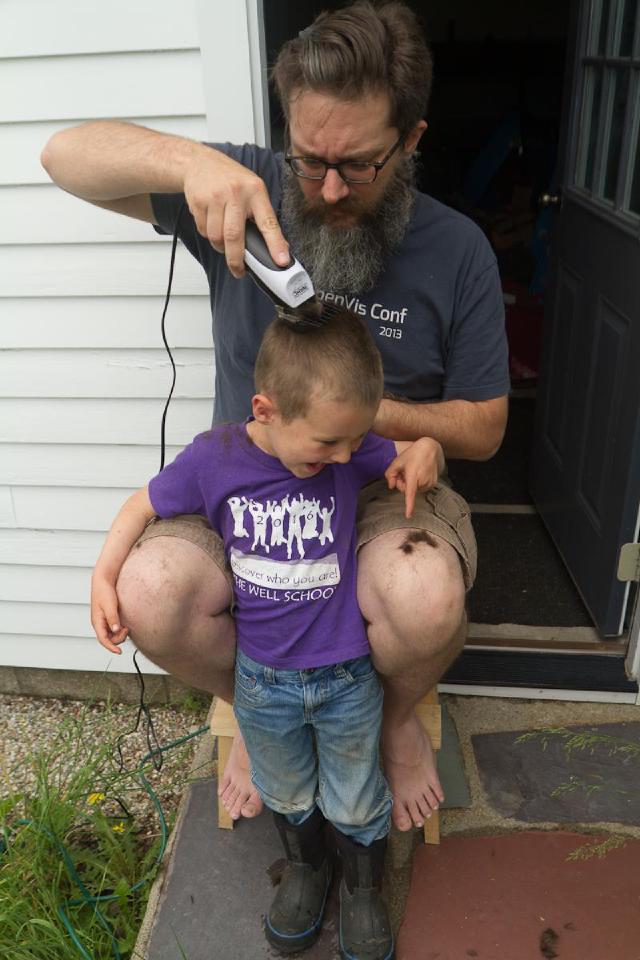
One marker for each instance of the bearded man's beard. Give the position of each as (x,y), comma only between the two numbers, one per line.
(347,259)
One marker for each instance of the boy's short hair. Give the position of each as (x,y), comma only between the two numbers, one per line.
(338,357)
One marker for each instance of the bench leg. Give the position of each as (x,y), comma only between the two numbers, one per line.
(432,828)
(224,749)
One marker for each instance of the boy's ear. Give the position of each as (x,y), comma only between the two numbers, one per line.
(263,408)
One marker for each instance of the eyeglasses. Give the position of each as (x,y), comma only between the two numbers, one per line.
(351,171)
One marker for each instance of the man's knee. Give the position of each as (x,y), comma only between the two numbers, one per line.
(415,591)
(164,583)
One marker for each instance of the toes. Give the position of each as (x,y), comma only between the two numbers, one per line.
(417,817)
(401,818)
(252,807)
(434,796)
(424,811)
(228,792)
(230,798)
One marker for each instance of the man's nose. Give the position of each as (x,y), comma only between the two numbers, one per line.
(333,187)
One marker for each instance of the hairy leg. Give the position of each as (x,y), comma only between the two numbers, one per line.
(175,601)
(411,593)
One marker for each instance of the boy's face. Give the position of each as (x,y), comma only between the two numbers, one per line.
(329,433)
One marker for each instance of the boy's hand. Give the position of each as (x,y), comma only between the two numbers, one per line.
(105,618)
(417,467)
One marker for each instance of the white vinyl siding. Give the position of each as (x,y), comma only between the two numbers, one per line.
(83,372)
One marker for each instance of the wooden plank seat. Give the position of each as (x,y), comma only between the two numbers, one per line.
(224,727)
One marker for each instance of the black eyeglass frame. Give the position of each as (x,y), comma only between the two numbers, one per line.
(376,164)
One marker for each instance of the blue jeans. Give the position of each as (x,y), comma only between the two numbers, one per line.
(312,737)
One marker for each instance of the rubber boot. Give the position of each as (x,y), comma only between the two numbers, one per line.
(295,916)
(365,931)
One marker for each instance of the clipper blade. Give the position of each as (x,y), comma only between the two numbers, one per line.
(311,313)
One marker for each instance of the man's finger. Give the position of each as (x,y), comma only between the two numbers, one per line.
(213,228)
(234,241)
(267,224)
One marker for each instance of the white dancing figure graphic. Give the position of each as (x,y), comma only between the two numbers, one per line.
(238,507)
(311,511)
(326,533)
(259,518)
(295,510)
(291,520)
(276,512)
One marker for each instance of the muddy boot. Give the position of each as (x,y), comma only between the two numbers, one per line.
(365,931)
(295,916)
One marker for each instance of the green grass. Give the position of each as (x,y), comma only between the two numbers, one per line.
(75,864)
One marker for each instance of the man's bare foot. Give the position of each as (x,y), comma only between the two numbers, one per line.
(238,795)
(410,768)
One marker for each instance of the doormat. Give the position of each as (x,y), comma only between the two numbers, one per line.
(547,778)
(521,578)
(505,477)
(519,897)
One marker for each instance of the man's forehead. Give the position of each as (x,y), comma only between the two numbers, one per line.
(320,122)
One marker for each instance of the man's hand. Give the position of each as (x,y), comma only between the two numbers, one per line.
(222,195)
(105,618)
(417,467)
(117,165)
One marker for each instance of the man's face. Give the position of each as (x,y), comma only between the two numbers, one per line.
(342,232)
(322,126)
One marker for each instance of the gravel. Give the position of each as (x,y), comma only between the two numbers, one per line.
(31,725)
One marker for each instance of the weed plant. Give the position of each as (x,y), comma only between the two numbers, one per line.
(587,741)
(75,863)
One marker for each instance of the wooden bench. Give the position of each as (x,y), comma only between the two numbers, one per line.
(224,727)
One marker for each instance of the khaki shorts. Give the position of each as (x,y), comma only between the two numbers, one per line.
(440,511)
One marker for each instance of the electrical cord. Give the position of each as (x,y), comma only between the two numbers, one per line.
(155,752)
(174,245)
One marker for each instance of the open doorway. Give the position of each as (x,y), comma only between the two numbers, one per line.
(491,152)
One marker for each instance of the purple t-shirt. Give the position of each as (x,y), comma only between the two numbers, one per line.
(290,541)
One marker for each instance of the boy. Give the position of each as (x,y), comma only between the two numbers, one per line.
(282,491)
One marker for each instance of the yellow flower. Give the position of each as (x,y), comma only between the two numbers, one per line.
(95,798)
(118,827)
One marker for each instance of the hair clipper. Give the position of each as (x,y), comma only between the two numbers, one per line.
(289,288)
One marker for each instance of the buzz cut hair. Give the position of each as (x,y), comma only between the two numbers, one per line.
(336,360)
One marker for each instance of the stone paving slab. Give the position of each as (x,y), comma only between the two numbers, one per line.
(450,765)
(518,897)
(218,889)
(533,783)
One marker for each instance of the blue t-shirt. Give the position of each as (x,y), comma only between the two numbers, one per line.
(436,313)
(290,542)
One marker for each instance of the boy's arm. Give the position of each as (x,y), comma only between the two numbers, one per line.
(417,466)
(125,530)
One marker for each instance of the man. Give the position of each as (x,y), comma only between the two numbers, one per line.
(354,89)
